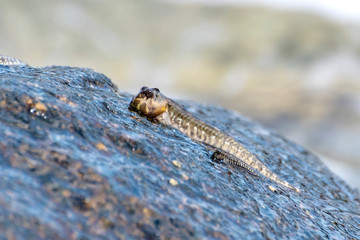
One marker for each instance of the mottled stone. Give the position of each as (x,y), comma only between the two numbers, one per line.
(77,164)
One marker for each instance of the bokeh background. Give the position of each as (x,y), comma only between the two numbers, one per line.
(294,67)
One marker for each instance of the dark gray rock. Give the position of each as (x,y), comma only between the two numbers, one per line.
(77,164)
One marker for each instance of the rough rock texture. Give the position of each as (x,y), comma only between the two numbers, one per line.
(77,164)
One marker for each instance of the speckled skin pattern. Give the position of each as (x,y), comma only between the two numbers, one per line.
(220,156)
(151,103)
(9,61)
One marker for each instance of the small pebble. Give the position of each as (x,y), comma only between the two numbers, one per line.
(273,189)
(101,146)
(185,177)
(173,182)
(176,163)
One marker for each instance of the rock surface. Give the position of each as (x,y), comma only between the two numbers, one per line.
(77,164)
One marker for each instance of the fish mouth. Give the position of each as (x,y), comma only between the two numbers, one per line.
(135,104)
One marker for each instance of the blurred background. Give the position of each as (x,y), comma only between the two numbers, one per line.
(292,66)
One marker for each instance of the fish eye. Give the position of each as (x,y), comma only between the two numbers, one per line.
(148,93)
(143,88)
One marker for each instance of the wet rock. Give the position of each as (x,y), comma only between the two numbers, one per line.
(77,164)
